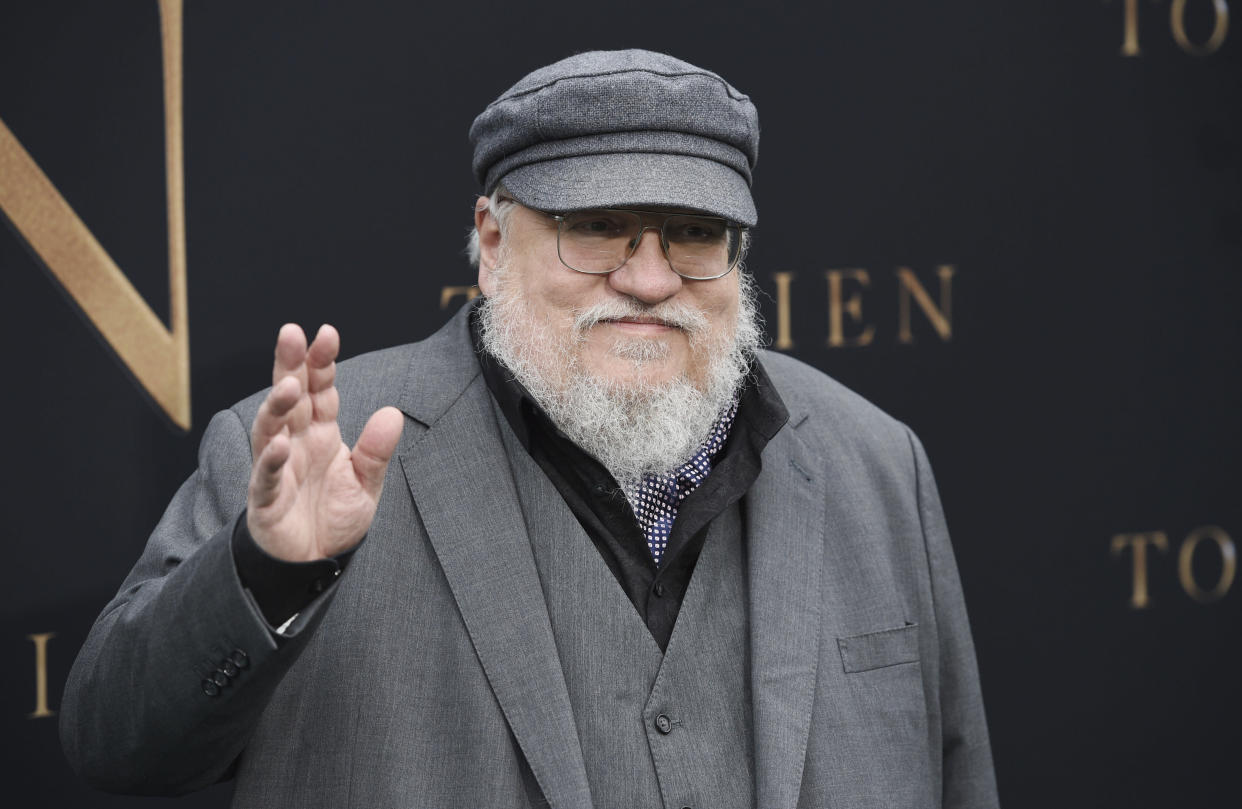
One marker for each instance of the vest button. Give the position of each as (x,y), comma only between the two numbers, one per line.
(664,724)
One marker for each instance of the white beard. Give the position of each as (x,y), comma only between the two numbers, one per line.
(633,428)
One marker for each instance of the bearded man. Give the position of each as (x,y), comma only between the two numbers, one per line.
(623,557)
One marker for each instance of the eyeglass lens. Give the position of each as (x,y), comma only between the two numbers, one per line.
(600,241)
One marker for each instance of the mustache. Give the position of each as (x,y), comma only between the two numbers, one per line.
(668,313)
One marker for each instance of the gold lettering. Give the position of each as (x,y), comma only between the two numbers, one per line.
(1130,26)
(159,358)
(40,641)
(837,307)
(1177,21)
(940,317)
(1185,560)
(1138,543)
(784,337)
(448,293)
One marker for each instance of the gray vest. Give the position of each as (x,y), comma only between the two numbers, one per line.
(657,730)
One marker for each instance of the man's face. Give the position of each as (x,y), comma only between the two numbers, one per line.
(641,325)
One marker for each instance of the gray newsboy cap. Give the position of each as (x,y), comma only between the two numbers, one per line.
(621,129)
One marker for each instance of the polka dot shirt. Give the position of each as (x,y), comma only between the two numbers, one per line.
(658,497)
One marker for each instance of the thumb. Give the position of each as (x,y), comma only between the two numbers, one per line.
(375,447)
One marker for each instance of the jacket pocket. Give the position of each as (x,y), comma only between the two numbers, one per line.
(875,650)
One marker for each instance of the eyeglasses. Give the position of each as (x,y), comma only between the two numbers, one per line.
(599,241)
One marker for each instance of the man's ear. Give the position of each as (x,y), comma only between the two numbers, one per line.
(489,243)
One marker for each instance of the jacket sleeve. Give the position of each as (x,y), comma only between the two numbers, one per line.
(969,781)
(179,666)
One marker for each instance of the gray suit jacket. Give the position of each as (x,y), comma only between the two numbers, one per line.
(427,675)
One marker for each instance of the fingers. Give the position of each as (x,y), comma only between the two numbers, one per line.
(273,416)
(266,475)
(321,373)
(313,368)
(290,352)
(290,361)
(375,447)
(321,357)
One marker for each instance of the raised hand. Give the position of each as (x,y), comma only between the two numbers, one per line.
(311,497)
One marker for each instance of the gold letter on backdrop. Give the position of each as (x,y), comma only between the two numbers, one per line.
(159,358)
(448,293)
(784,336)
(40,641)
(838,307)
(941,318)
(1177,21)
(1228,561)
(1138,549)
(1130,45)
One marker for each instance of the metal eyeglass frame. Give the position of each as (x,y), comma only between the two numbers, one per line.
(560,224)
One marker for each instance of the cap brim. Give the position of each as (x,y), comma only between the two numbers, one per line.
(633,180)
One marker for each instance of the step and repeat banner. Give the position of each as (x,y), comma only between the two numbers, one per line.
(1015,226)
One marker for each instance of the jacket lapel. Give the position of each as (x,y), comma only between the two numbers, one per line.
(465,495)
(785,536)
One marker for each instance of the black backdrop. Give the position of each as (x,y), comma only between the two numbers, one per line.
(1075,378)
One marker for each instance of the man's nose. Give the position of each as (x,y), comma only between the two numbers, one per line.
(647,275)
